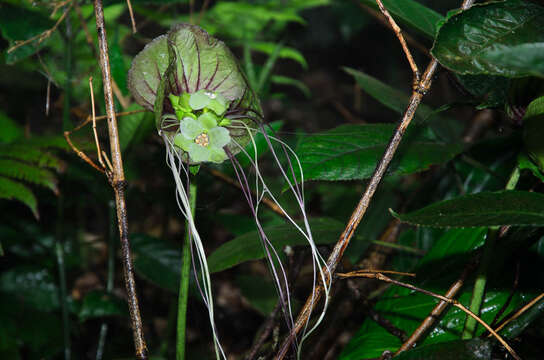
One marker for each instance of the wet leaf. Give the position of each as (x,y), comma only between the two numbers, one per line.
(496,38)
(351,152)
(98,304)
(475,349)
(482,209)
(34,286)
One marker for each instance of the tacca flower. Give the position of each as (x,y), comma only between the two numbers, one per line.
(205,111)
(185,74)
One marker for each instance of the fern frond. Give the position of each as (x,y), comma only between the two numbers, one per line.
(33,174)
(56,142)
(13,190)
(30,154)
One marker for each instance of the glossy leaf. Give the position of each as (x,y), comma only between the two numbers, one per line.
(157,261)
(492,90)
(352,152)
(98,304)
(413,14)
(519,324)
(533,126)
(475,349)
(483,209)
(248,246)
(34,286)
(495,38)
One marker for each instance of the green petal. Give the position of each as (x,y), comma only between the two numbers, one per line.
(199,100)
(191,128)
(199,153)
(208,120)
(217,155)
(219,137)
(217,106)
(182,142)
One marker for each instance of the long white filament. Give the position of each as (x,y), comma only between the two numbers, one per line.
(176,164)
(319,264)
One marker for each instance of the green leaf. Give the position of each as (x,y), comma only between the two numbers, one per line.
(519,324)
(397,101)
(248,246)
(31,154)
(352,152)
(285,80)
(10,129)
(118,68)
(475,349)
(32,285)
(19,24)
(12,190)
(133,128)
(30,173)
(533,126)
(495,38)
(157,261)
(413,14)
(98,304)
(483,209)
(494,88)
(284,53)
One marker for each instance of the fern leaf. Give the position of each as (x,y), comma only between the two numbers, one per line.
(56,142)
(30,154)
(33,174)
(13,190)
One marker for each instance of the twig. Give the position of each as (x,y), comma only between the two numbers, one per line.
(397,30)
(118,183)
(132,21)
(94,124)
(520,312)
(362,206)
(44,35)
(430,320)
(453,302)
(383,20)
(80,153)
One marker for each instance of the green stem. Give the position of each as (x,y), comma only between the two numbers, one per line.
(59,252)
(478,291)
(111,273)
(184,282)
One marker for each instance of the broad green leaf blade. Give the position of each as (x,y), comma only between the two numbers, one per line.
(12,190)
(19,24)
(134,127)
(518,325)
(491,90)
(98,304)
(413,14)
(248,246)
(398,101)
(157,261)
(259,292)
(533,127)
(10,129)
(351,152)
(483,209)
(495,38)
(475,349)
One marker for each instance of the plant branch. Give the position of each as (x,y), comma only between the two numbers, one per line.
(357,215)
(437,311)
(117,180)
(457,304)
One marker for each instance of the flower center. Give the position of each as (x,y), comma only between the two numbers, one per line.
(202,139)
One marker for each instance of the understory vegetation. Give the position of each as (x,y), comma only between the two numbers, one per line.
(269,179)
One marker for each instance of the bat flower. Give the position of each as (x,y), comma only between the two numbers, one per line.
(185,74)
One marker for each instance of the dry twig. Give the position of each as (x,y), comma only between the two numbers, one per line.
(118,183)
(457,304)
(44,35)
(342,243)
